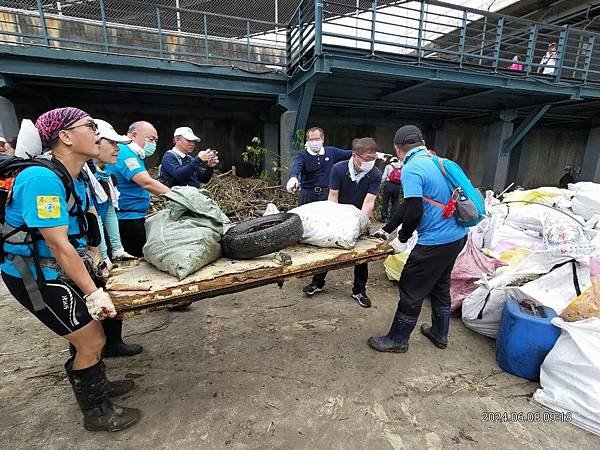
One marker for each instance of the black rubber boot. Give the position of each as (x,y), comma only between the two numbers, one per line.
(115,346)
(396,341)
(437,333)
(99,414)
(113,388)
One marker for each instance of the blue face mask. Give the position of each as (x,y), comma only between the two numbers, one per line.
(149,148)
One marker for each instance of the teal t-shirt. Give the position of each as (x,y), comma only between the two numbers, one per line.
(134,200)
(39,200)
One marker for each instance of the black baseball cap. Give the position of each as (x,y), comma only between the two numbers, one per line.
(408,134)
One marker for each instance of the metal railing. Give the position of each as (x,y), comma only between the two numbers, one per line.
(136,28)
(431,32)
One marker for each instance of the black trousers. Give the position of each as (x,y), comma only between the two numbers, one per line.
(361,276)
(391,193)
(309,196)
(133,235)
(427,273)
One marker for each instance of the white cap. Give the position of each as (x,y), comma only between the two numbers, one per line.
(186,133)
(106,131)
(2,139)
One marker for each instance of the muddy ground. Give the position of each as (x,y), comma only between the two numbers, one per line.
(269,368)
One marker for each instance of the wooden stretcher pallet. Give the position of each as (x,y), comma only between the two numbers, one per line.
(138,287)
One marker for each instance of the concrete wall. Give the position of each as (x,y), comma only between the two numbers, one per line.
(545,152)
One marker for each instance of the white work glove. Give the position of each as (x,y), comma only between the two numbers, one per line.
(99,305)
(292,185)
(399,247)
(380,234)
(121,255)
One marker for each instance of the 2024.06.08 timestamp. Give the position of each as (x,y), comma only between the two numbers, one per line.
(530,416)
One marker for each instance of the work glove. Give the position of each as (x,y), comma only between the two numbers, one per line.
(380,234)
(99,305)
(121,255)
(399,247)
(292,185)
(381,156)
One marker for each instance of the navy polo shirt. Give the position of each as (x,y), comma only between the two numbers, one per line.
(350,192)
(315,171)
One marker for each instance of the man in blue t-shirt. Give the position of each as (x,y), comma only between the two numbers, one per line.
(311,168)
(428,268)
(135,185)
(354,182)
(180,168)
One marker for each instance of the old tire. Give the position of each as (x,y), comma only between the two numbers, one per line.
(261,236)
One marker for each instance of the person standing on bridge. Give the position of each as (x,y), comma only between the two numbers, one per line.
(428,268)
(179,168)
(311,168)
(135,185)
(549,60)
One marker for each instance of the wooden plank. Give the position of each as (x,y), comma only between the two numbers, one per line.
(138,287)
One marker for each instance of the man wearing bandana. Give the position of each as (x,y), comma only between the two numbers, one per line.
(311,168)
(135,185)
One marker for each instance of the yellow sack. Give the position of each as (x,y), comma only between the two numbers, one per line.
(583,307)
(546,195)
(394,264)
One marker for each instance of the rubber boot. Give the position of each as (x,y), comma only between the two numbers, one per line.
(99,414)
(113,388)
(437,332)
(113,329)
(396,341)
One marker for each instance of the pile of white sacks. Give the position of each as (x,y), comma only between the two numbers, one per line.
(545,237)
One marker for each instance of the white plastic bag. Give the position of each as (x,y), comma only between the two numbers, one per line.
(270,210)
(29,144)
(570,374)
(565,237)
(330,224)
(586,204)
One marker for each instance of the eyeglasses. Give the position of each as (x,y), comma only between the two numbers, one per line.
(91,125)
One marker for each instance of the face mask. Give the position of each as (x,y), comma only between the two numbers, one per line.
(366,166)
(314,146)
(149,148)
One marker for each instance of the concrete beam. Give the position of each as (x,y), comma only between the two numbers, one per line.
(496,170)
(591,157)
(399,92)
(9,125)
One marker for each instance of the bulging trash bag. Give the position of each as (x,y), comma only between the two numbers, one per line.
(570,374)
(186,235)
(330,224)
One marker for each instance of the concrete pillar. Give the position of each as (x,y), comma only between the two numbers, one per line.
(271,143)
(497,160)
(9,126)
(591,157)
(286,143)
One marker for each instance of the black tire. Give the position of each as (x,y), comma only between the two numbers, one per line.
(261,236)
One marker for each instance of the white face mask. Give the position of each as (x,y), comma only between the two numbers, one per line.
(366,166)
(314,146)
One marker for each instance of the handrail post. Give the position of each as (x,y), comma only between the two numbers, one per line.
(588,57)
(463,35)
(205,39)
(531,48)
(318,27)
(300,34)
(562,47)
(373,25)
(43,22)
(160,40)
(104,29)
(248,42)
(420,36)
(498,42)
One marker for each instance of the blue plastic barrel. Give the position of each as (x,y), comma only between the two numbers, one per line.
(524,339)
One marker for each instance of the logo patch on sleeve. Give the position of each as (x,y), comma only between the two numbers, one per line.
(132,164)
(48,206)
